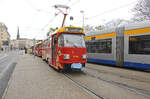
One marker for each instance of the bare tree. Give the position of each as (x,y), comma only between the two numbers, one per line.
(115,23)
(100,27)
(89,28)
(141,11)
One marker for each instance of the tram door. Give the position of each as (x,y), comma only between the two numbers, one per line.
(54,41)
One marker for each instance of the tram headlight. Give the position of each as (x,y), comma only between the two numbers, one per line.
(84,56)
(66,56)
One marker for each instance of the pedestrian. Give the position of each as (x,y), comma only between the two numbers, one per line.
(25,50)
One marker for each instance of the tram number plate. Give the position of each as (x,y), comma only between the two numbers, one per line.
(76,66)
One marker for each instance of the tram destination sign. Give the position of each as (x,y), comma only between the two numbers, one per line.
(74,29)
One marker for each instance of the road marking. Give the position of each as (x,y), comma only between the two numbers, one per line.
(5,55)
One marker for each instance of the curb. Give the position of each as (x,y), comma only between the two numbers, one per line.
(5,76)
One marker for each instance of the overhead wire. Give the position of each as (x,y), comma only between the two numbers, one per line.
(56,14)
(39,10)
(46,25)
(67,2)
(33,7)
(111,10)
(52,18)
(75,3)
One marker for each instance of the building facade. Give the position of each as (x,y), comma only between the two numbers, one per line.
(4,37)
(22,43)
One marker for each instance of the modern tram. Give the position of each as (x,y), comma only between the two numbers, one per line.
(126,46)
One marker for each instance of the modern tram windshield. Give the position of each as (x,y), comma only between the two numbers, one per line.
(71,40)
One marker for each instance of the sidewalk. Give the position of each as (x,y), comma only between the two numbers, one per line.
(34,79)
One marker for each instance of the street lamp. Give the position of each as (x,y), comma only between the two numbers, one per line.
(83,18)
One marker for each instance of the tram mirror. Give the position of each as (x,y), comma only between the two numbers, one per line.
(55,40)
(71,17)
(56,28)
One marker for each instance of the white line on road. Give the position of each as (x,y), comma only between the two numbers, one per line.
(5,55)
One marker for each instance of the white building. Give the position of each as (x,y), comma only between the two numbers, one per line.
(22,43)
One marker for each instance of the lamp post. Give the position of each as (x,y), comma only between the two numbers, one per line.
(83,18)
(34,47)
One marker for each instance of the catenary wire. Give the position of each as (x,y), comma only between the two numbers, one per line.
(37,9)
(46,25)
(111,10)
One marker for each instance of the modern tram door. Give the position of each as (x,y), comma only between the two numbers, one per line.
(54,41)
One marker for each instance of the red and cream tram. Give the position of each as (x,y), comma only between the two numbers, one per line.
(32,49)
(65,49)
(38,49)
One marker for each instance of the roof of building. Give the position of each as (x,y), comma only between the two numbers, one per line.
(5,27)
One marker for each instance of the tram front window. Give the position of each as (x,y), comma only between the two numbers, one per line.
(71,40)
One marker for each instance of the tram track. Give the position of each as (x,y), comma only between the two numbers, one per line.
(116,74)
(90,91)
(136,90)
(121,85)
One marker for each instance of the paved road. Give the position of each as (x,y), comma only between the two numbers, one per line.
(6,59)
(7,63)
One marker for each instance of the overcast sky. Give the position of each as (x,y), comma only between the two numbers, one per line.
(34,17)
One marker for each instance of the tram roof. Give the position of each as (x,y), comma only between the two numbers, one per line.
(105,31)
(65,28)
(40,42)
(130,26)
(69,29)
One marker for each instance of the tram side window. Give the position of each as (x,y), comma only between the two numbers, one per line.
(139,44)
(61,41)
(40,46)
(99,46)
(49,43)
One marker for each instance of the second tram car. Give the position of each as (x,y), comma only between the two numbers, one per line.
(127,46)
(38,49)
(32,49)
(65,49)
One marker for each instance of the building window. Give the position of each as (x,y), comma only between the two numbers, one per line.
(99,46)
(139,44)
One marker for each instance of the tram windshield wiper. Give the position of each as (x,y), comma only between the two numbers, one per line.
(72,43)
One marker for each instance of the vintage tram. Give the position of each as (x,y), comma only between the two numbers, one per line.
(38,49)
(65,49)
